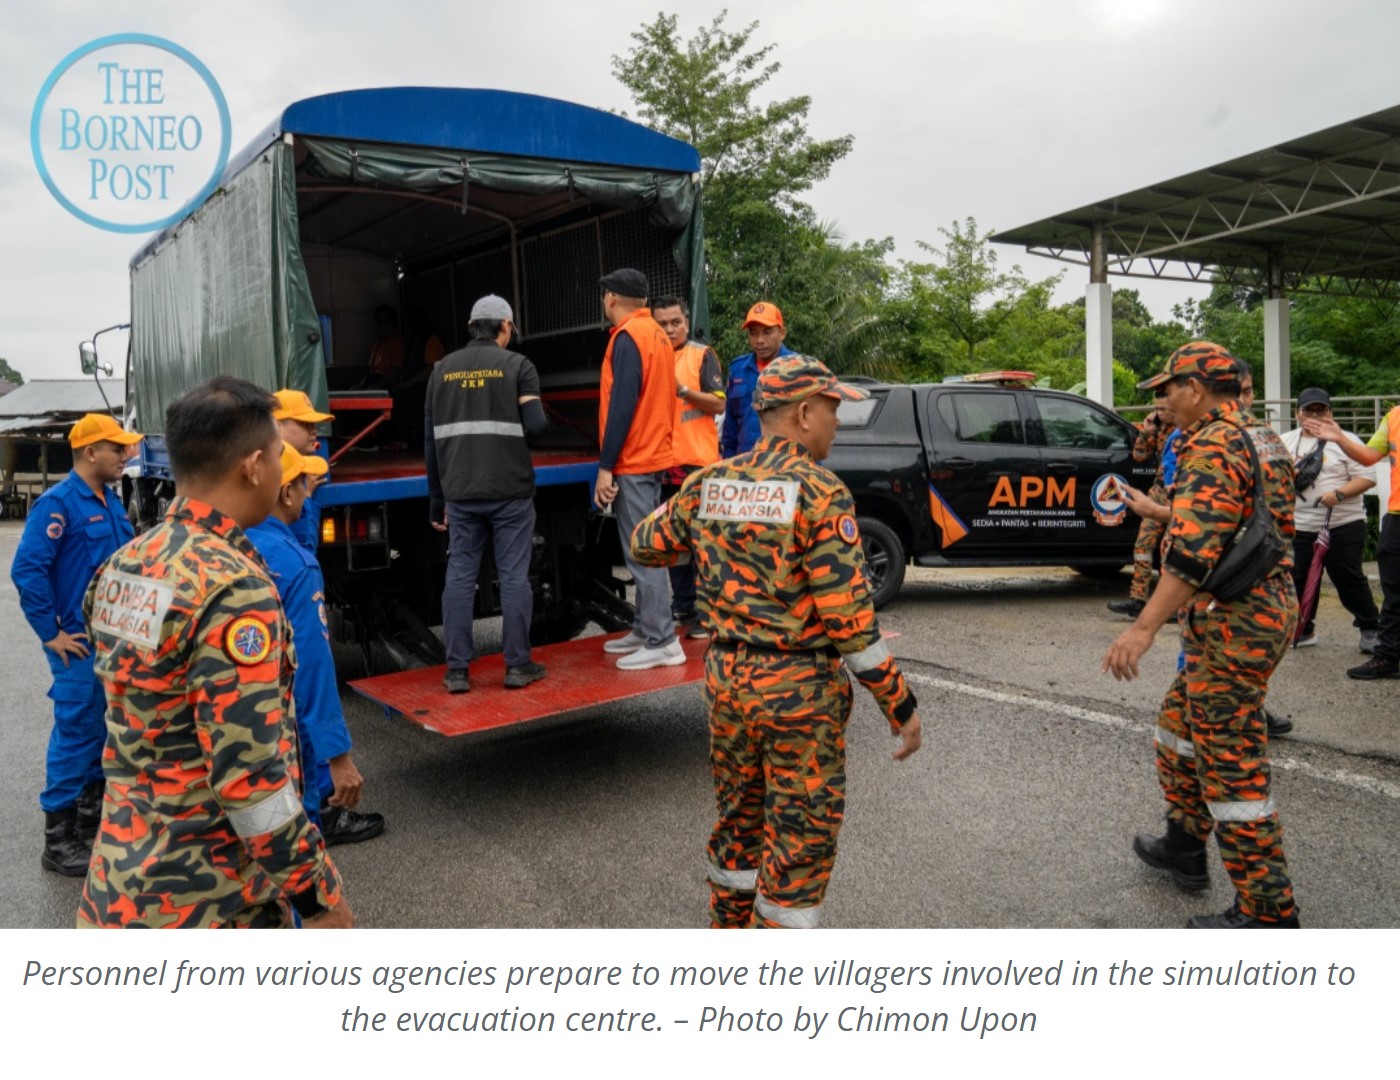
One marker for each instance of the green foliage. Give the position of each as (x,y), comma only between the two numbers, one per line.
(7,372)
(761,241)
(961,294)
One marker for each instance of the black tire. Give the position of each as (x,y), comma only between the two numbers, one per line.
(885,559)
(1099,573)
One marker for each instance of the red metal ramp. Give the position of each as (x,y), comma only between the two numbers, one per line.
(581,676)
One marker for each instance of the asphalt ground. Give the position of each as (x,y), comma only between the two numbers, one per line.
(1019,811)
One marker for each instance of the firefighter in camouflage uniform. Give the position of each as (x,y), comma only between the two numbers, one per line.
(1212,744)
(202,824)
(783,595)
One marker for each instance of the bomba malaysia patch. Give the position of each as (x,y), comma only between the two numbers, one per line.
(847,528)
(766,502)
(247,640)
(131,608)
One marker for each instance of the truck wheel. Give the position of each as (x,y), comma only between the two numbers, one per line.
(1097,572)
(884,559)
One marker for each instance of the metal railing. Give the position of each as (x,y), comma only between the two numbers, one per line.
(1358,414)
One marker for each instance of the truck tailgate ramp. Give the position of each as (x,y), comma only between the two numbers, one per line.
(581,676)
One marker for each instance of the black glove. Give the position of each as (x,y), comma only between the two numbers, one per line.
(437,511)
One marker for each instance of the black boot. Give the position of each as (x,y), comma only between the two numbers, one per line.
(1232,918)
(1178,852)
(341,826)
(89,808)
(64,853)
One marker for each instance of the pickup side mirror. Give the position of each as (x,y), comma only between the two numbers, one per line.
(88,352)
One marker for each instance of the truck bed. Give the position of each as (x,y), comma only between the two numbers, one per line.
(581,676)
(380,476)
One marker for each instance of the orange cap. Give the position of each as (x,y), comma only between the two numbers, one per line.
(295,464)
(99,427)
(294,405)
(763,314)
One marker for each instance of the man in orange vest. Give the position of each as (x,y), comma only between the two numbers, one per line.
(1383,445)
(694,439)
(636,415)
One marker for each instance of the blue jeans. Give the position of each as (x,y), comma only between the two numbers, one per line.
(637,496)
(510,526)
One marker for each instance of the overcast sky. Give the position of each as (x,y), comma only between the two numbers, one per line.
(1006,110)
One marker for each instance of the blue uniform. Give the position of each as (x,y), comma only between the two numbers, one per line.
(320,721)
(741,428)
(307,529)
(69,534)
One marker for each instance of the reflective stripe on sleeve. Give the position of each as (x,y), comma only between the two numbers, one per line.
(793,918)
(477,427)
(870,658)
(1247,810)
(267,816)
(1181,747)
(745,880)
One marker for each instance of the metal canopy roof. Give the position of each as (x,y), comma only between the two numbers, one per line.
(1321,212)
(60,397)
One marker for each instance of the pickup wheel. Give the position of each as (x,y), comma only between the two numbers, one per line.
(884,559)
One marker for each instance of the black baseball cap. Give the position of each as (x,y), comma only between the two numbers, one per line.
(1313,396)
(626,282)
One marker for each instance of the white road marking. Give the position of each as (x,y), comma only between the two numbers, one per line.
(1357,781)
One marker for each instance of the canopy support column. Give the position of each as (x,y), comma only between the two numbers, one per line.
(1278,378)
(1098,323)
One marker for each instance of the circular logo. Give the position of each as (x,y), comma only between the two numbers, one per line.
(247,640)
(1106,498)
(847,528)
(129,132)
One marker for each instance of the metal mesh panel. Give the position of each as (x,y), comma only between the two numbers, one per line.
(561,280)
(475,277)
(630,239)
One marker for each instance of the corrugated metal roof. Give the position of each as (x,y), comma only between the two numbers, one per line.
(1323,206)
(65,397)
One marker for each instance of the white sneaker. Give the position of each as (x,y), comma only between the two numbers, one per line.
(671,655)
(631,643)
(1307,641)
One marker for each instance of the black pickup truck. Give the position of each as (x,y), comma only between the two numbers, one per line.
(979,474)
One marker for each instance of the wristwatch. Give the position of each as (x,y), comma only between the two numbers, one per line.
(681,392)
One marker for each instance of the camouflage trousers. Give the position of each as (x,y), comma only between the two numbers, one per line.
(1212,741)
(778,758)
(1145,551)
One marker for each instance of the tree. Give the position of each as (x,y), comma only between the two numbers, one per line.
(7,372)
(703,91)
(962,292)
(761,241)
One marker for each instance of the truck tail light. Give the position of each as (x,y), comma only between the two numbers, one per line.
(329,532)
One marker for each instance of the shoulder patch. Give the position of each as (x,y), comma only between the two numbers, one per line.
(247,640)
(847,528)
(55,529)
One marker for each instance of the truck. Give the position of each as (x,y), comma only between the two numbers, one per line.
(988,471)
(417,201)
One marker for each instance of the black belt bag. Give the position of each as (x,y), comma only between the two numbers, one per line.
(1254,551)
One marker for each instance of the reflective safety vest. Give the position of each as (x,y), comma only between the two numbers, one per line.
(1392,420)
(695,440)
(648,445)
